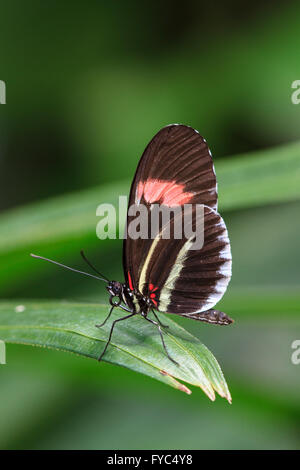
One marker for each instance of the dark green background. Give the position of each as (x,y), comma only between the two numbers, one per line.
(88,85)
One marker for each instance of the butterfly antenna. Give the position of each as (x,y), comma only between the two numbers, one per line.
(68,267)
(92,266)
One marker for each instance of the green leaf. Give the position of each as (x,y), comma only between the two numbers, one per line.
(280,303)
(255,179)
(135,343)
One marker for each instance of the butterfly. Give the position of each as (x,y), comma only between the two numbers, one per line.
(166,274)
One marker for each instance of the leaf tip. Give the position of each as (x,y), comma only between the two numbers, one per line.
(184,389)
(226,395)
(177,384)
(210,393)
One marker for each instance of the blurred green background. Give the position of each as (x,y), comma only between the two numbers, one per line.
(88,85)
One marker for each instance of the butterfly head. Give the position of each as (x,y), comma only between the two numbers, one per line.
(115,288)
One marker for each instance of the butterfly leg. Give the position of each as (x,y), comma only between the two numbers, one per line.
(126,309)
(158,320)
(111,332)
(162,339)
(103,323)
(110,312)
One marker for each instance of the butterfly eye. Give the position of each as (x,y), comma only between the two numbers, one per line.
(114,288)
(117,287)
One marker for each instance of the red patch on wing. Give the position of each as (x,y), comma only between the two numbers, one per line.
(152,295)
(168,193)
(130,281)
(152,288)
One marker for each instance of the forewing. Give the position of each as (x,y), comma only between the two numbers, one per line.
(176,168)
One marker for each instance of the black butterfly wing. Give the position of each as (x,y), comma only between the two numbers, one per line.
(175,168)
(179,159)
(184,280)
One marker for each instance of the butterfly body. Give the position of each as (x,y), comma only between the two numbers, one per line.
(135,301)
